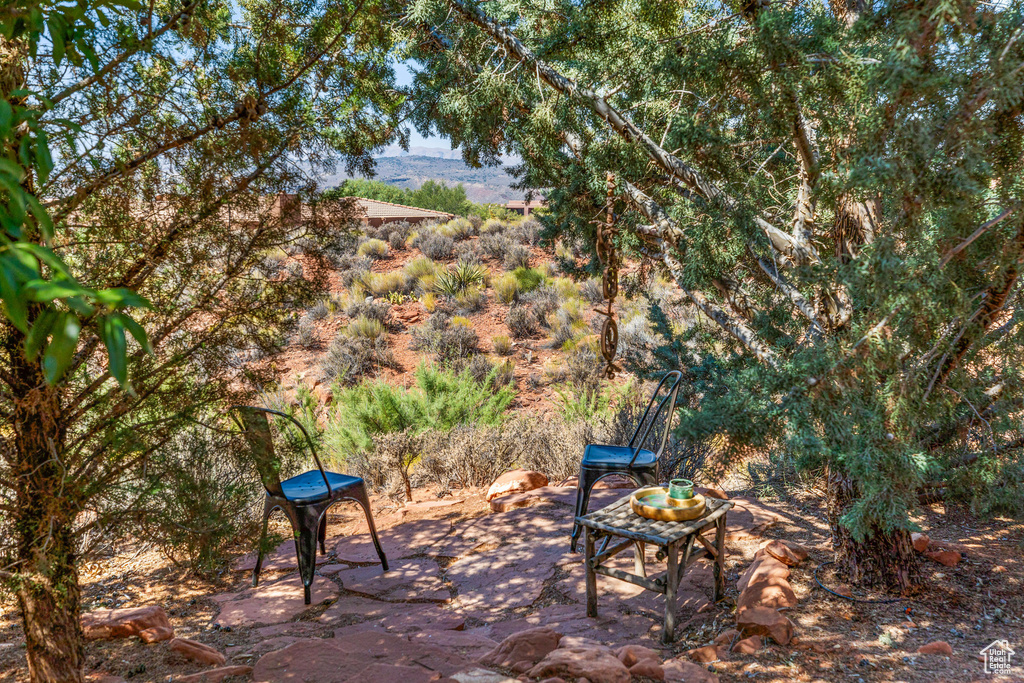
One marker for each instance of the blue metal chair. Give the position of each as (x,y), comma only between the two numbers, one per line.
(632,461)
(304,498)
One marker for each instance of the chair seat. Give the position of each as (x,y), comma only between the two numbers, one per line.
(616,457)
(309,487)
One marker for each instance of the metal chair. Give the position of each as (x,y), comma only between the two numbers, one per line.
(632,461)
(304,499)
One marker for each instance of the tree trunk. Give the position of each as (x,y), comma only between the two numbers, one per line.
(885,559)
(46,579)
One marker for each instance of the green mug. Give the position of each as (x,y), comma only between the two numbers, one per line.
(680,489)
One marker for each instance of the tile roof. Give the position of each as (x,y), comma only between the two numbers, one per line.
(377,209)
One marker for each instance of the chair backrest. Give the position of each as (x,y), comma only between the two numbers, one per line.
(669,401)
(256,429)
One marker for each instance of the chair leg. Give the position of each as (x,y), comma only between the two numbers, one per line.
(322,535)
(267,508)
(584,484)
(308,519)
(360,495)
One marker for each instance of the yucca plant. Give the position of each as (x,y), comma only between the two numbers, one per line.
(459,278)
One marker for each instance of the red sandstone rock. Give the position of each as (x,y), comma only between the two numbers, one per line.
(948,558)
(682,671)
(631,654)
(124,623)
(790,554)
(748,646)
(711,492)
(937,647)
(516,481)
(197,652)
(597,666)
(764,566)
(764,621)
(648,669)
(216,675)
(103,677)
(704,655)
(777,594)
(920,541)
(725,637)
(522,651)
(156,634)
(615,481)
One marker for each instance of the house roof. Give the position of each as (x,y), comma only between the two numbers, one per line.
(375,208)
(522,203)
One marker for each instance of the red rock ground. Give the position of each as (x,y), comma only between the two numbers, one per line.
(464,579)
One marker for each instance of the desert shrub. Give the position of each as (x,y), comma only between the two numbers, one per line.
(492,226)
(479,367)
(517,257)
(527,232)
(387,464)
(592,290)
(566,324)
(470,300)
(273,262)
(521,322)
(319,310)
(367,308)
(440,400)
(349,359)
(379,284)
(199,501)
(446,338)
(364,327)
(502,345)
(351,267)
(638,340)
(396,241)
(457,229)
(566,288)
(468,252)
(503,374)
(495,245)
(429,301)
(412,240)
(419,267)
(506,288)
(437,246)
(374,249)
(529,279)
(305,333)
(459,278)
(403,228)
(543,302)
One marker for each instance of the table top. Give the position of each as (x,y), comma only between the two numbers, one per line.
(620,520)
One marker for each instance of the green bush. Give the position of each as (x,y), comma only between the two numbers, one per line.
(364,327)
(457,229)
(420,267)
(459,278)
(440,400)
(529,278)
(381,284)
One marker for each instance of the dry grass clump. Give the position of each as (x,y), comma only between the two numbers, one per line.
(517,256)
(364,327)
(457,228)
(305,333)
(506,288)
(319,310)
(470,300)
(448,339)
(382,284)
(374,248)
(349,359)
(521,322)
(502,345)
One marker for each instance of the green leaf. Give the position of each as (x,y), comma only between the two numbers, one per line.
(35,340)
(137,331)
(44,162)
(48,290)
(57,38)
(6,116)
(120,297)
(112,333)
(61,349)
(15,303)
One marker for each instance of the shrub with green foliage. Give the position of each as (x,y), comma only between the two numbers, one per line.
(529,279)
(420,267)
(470,300)
(364,327)
(502,345)
(448,339)
(381,284)
(458,229)
(506,288)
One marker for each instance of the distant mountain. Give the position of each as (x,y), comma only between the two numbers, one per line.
(483,185)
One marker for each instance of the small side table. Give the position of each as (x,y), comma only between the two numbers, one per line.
(619,521)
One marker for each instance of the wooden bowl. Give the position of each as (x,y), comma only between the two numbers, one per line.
(654,503)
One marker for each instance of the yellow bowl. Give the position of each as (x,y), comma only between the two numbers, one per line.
(654,503)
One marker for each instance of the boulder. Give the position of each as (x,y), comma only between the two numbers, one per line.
(711,492)
(103,677)
(764,567)
(648,669)
(920,541)
(948,558)
(156,634)
(764,621)
(215,675)
(790,554)
(705,655)
(516,481)
(936,647)
(597,666)
(682,671)
(109,624)
(725,637)
(197,652)
(630,655)
(523,650)
(748,646)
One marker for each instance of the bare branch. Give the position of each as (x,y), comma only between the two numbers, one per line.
(975,235)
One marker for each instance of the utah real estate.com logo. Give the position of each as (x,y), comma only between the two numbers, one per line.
(997,657)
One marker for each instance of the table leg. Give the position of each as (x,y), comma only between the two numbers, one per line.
(720,560)
(638,559)
(588,554)
(671,587)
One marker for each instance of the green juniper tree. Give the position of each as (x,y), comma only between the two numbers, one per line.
(836,187)
(141,260)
